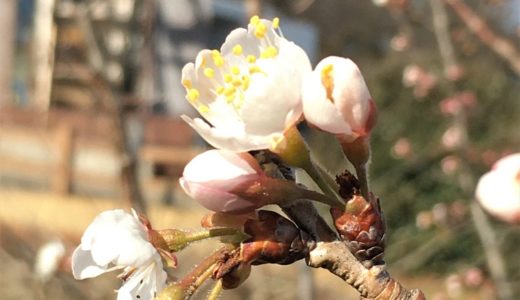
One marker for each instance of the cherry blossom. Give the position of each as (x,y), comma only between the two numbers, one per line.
(238,89)
(117,240)
(498,191)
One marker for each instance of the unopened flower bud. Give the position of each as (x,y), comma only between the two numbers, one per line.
(211,177)
(336,99)
(228,182)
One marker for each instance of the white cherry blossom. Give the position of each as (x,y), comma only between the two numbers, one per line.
(117,240)
(249,91)
(498,191)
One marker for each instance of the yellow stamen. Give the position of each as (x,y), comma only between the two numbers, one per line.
(203,109)
(217,58)
(254,69)
(228,78)
(209,72)
(230,91)
(237,50)
(251,59)
(245,82)
(254,20)
(327,80)
(219,90)
(237,82)
(235,70)
(193,95)
(276,23)
(260,30)
(186,83)
(269,52)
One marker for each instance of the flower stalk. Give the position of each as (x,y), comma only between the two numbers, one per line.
(215,292)
(294,152)
(203,271)
(177,240)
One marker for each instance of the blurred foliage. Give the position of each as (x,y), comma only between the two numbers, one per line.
(416,181)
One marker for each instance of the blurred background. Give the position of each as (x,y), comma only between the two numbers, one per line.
(90,99)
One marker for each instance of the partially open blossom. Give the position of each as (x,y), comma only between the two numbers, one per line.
(117,240)
(336,99)
(249,91)
(498,191)
(225,181)
(420,79)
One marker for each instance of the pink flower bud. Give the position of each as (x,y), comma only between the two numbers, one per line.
(228,182)
(211,177)
(498,191)
(336,99)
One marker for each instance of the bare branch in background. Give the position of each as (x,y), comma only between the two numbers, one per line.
(7,54)
(500,45)
(131,191)
(495,259)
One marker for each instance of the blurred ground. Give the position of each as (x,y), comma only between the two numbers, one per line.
(29,219)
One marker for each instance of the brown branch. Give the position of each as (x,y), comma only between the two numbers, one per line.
(131,191)
(374,283)
(500,45)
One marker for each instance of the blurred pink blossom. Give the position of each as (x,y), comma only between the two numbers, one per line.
(424,220)
(473,277)
(454,286)
(450,164)
(452,137)
(453,105)
(400,42)
(402,148)
(418,78)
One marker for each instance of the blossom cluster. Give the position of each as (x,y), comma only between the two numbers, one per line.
(251,95)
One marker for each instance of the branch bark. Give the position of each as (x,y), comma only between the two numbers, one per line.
(374,283)
(466,181)
(500,45)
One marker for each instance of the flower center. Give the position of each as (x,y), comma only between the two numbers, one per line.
(230,75)
(327,80)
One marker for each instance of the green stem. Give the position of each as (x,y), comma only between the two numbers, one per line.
(214,294)
(319,197)
(322,184)
(362,175)
(331,181)
(179,239)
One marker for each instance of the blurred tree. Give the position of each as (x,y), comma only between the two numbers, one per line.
(8,14)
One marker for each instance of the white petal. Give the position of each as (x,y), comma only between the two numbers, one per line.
(265,110)
(350,92)
(134,252)
(320,111)
(232,140)
(144,283)
(217,165)
(83,266)
(249,43)
(295,56)
(509,162)
(500,197)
